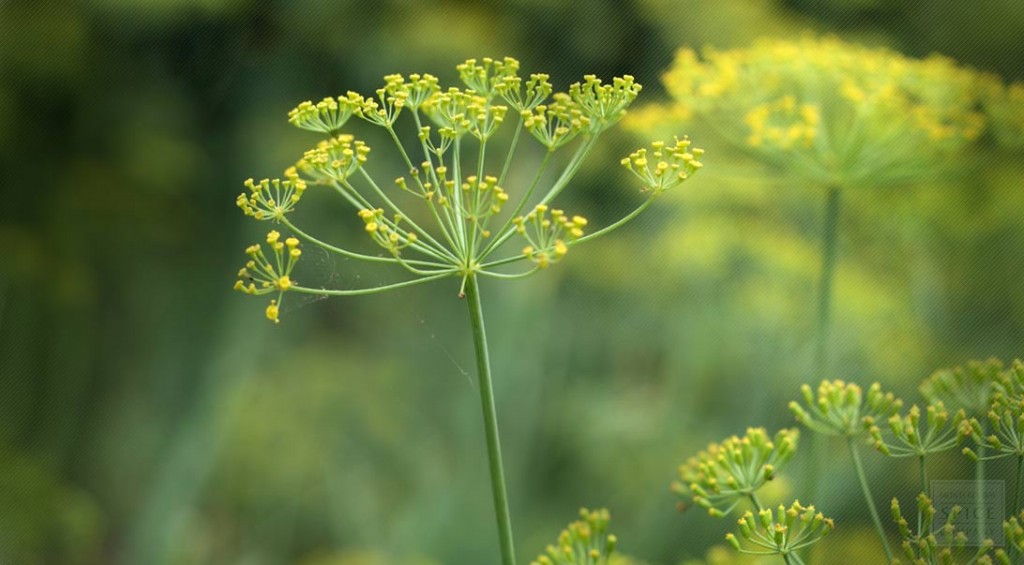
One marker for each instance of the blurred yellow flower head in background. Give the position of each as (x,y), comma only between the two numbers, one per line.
(839,112)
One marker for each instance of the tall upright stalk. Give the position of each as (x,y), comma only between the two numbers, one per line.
(821,350)
(483,364)
(869,498)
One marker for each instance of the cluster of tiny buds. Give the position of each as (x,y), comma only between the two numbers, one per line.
(718,477)
(547,230)
(557,123)
(387,233)
(605,103)
(782,532)
(585,542)
(1006,420)
(841,408)
(929,545)
(672,164)
(334,159)
(939,434)
(271,199)
(267,276)
(326,116)
(783,124)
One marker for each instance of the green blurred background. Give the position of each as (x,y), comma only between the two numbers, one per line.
(149,415)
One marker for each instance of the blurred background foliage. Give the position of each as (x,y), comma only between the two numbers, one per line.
(149,415)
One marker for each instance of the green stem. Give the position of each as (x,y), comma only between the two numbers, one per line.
(923,475)
(821,353)
(979,492)
(867,496)
(1016,484)
(483,364)
(825,283)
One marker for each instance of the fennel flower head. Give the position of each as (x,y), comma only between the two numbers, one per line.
(461,205)
(837,112)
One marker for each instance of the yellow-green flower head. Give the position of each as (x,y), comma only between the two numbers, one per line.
(326,116)
(727,472)
(666,165)
(484,77)
(557,123)
(585,542)
(1013,530)
(387,232)
(538,88)
(834,111)
(971,387)
(336,159)
(1006,430)
(604,104)
(266,275)
(944,544)
(450,109)
(271,199)
(1010,383)
(416,91)
(782,532)
(391,98)
(908,437)
(547,232)
(842,409)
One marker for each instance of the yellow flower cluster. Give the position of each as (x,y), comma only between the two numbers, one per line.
(547,234)
(585,542)
(485,77)
(271,199)
(334,159)
(326,116)
(459,111)
(557,123)
(482,199)
(723,474)
(783,532)
(672,164)
(605,104)
(842,409)
(387,232)
(909,438)
(841,111)
(783,123)
(265,276)
(537,90)
(944,544)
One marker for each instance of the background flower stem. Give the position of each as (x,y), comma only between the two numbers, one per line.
(483,364)
(819,454)
(867,497)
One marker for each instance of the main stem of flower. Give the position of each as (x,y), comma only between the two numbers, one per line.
(867,497)
(483,364)
(821,350)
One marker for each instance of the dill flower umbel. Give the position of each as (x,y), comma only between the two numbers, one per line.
(842,409)
(585,542)
(837,112)
(449,213)
(719,477)
(944,544)
(907,437)
(783,532)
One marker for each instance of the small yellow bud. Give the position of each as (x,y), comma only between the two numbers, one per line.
(272,312)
